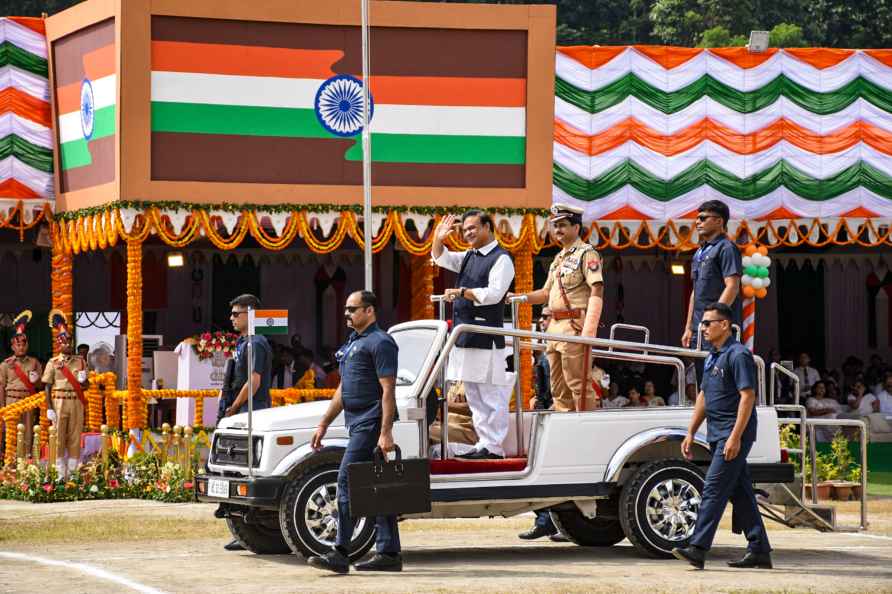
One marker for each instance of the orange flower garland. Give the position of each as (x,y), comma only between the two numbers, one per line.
(94,402)
(135,405)
(61,282)
(20,209)
(523,283)
(11,414)
(422,284)
(318,246)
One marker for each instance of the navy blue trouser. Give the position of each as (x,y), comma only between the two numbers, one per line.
(730,481)
(543,520)
(363,439)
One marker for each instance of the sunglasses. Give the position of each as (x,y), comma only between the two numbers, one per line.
(236,314)
(353,308)
(706,323)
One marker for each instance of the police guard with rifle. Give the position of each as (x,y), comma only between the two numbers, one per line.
(20,374)
(64,378)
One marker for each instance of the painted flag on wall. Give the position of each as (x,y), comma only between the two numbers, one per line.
(268,322)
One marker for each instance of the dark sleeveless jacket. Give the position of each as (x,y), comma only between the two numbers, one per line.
(474,273)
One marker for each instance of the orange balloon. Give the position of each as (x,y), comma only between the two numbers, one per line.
(761,293)
(750,250)
(762,250)
(748,291)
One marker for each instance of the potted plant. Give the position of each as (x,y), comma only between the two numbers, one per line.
(825,471)
(843,468)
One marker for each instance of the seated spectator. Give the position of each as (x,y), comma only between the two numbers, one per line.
(875,374)
(833,391)
(650,395)
(635,399)
(690,393)
(614,398)
(807,375)
(852,368)
(860,401)
(462,436)
(884,397)
(821,406)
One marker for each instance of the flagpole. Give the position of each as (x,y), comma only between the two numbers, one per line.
(366,151)
(250,391)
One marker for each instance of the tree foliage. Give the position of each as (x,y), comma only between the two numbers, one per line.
(829,23)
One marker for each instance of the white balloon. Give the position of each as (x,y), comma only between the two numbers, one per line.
(747,261)
(756,283)
(766,261)
(766,282)
(746,280)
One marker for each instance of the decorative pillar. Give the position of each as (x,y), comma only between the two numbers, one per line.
(523,283)
(422,287)
(61,281)
(135,409)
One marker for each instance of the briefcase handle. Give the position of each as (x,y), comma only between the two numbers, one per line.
(380,459)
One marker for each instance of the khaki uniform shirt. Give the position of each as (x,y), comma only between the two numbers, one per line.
(53,376)
(9,379)
(579,268)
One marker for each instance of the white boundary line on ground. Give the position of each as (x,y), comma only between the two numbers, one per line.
(863,535)
(84,568)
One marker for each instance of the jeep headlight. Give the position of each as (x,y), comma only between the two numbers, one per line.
(258,450)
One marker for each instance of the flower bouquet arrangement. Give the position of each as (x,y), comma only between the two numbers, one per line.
(208,343)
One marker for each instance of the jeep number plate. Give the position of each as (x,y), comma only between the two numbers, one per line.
(218,488)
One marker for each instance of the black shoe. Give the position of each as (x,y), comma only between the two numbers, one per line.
(693,555)
(558,538)
(235,545)
(534,533)
(381,562)
(483,454)
(333,560)
(753,561)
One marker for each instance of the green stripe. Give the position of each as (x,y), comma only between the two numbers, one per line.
(427,148)
(200,118)
(706,173)
(20,58)
(76,153)
(270,330)
(740,101)
(38,157)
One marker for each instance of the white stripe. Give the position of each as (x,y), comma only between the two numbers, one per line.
(266,91)
(89,570)
(264,322)
(656,210)
(741,166)
(104,95)
(40,182)
(743,79)
(32,84)
(33,132)
(591,124)
(25,38)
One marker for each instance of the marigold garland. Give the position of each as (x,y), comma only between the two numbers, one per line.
(523,283)
(11,413)
(93,414)
(322,246)
(61,282)
(422,286)
(135,402)
(17,213)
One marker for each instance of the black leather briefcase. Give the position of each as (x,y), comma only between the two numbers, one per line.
(385,488)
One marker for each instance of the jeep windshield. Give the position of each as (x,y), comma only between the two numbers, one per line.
(415,345)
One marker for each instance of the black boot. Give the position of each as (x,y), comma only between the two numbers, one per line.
(334,560)
(753,561)
(534,533)
(693,555)
(234,545)
(381,562)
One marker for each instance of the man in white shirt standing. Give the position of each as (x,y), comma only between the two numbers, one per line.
(808,376)
(485,273)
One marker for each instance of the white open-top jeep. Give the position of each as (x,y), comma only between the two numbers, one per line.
(604,475)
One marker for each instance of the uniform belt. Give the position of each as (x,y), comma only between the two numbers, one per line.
(567,314)
(16,391)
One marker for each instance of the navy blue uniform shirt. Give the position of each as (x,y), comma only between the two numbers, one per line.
(263,365)
(726,372)
(715,260)
(364,358)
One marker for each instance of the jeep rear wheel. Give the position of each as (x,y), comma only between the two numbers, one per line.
(308,513)
(590,532)
(658,506)
(261,536)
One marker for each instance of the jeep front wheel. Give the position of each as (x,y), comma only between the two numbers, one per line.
(589,532)
(659,504)
(261,536)
(308,513)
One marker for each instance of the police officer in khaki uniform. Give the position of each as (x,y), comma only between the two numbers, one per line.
(65,376)
(574,292)
(20,375)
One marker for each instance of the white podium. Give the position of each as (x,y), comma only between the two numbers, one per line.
(196,374)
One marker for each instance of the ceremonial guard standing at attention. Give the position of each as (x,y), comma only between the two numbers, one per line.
(20,375)
(574,293)
(65,376)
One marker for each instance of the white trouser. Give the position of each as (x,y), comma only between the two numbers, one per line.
(489,411)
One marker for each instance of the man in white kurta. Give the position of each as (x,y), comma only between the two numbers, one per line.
(489,271)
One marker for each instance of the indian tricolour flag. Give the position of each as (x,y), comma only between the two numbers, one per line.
(268,321)
(257,102)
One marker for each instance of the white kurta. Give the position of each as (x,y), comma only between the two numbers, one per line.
(482,366)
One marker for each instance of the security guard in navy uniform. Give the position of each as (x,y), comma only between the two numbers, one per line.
(727,401)
(367,396)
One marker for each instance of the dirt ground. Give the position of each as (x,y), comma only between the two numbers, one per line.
(147,547)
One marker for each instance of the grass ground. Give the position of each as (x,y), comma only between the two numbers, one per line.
(879,484)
